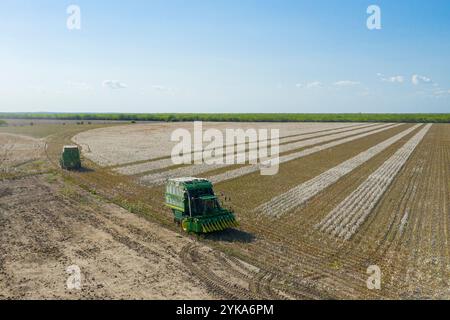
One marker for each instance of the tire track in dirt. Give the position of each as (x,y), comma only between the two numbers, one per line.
(304,272)
(213,280)
(260,283)
(221,287)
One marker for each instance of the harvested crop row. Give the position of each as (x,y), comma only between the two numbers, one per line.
(298,195)
(296,229)
(161,177)
(351,213)
(232,174)
(167,162)
(121,145)
(410,226)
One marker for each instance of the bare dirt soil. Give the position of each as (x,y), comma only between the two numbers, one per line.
(47,225)
(16,150)
(20,155)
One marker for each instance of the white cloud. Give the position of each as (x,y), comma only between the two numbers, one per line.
(299,85)
(314,84)
(346,83)
(114,84)
(417,79)
(391,79)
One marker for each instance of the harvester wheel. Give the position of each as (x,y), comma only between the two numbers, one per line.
(185,225)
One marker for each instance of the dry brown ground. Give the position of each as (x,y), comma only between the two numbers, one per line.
(20,155)
(16,150)
(47,225)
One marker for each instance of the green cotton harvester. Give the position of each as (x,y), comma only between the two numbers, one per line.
(195,206)
(70,158)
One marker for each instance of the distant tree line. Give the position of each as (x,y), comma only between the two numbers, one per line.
(240,117)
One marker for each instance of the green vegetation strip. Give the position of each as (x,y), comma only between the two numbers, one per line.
(242,117)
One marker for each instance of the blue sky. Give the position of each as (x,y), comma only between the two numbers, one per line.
(225,56)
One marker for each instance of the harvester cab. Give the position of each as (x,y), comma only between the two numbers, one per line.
(195,206)
(70,158)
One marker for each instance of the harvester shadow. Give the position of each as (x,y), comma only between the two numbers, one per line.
(231,235)
(85,170)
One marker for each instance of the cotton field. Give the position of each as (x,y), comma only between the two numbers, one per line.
(343,196)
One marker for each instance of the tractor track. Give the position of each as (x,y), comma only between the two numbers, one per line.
(263,283)
(217,285)
(248,276)
(313,269)
(308,268)
(260,283)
